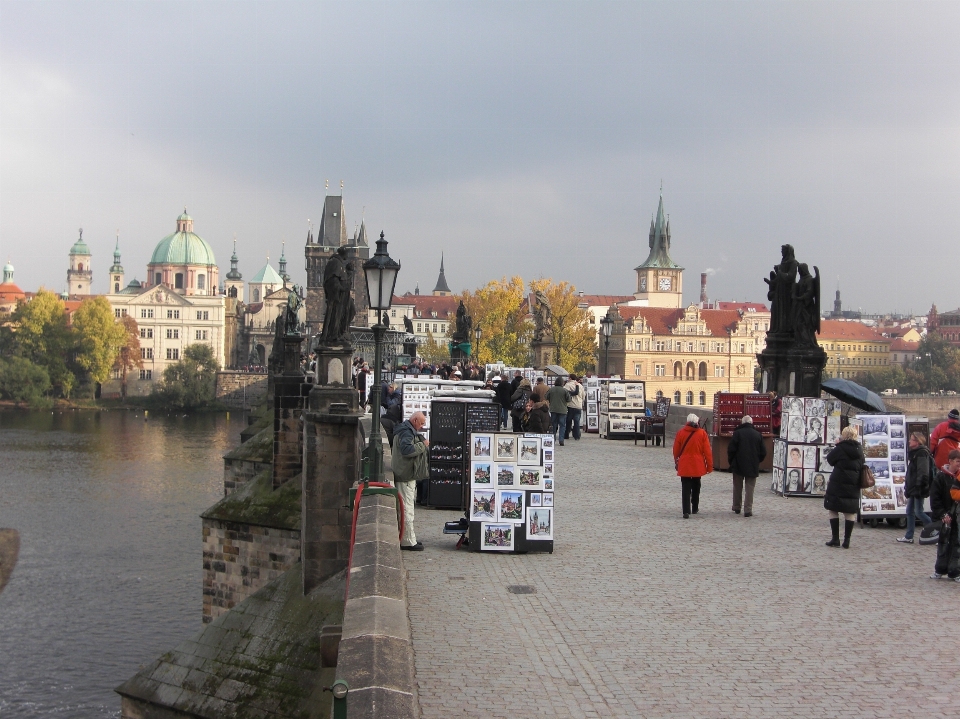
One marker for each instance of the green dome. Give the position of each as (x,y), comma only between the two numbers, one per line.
(183,248)
(80,247)
(185,216)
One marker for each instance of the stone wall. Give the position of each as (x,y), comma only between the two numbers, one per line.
(932,406)
(241,390)
(247,461)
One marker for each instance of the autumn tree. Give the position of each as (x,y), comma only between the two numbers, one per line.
(191,382)
(434,351)
(569,324)
(99,337)
(43,338)
(498,308)
(128,358)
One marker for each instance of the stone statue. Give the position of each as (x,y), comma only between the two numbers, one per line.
(337,281)
(806,306)
(781,281)
(385,320)
(464,325)
(408,325)
(291,320)
(275,360)
(541,315)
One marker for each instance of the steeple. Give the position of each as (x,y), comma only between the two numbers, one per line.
(116,269)
(309,232)
(442,289)
(283,263)
(234,273)
(362,237)
(8,273)
(659,242)
(836,303)
(233,282)
(659,278)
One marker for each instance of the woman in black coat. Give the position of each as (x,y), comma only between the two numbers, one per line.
(843,489)
(504,391)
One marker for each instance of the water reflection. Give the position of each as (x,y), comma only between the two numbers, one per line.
(107,506)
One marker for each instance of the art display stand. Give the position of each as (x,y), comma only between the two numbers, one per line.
(884,438)
(809,429)
(418,392)
(729,409)
(591,404)
(511,500)
(621,403)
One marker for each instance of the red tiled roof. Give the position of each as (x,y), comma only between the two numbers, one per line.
(839,330)
(662,320)
(745,306)
(902,345)
(9,292)
(444,306)
(603,300)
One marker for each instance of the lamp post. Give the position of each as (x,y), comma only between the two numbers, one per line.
(606,324)
(477,332)
(380,272)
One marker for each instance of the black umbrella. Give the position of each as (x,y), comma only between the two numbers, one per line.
(852,393)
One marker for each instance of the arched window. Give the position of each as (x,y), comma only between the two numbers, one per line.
(157,278)
(689,398)
(703,372)
(80,267)
(678,371)
(691,370)
(178,281)
(116,287)
(676,397)
(256,295)
(703,397)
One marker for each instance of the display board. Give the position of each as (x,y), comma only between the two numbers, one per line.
(621,403)
(809,429)
(416,393)
(885,449)
(729,408)
(591,404)
(510,505)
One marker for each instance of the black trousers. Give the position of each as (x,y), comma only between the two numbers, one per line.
(690,494)
(948,552)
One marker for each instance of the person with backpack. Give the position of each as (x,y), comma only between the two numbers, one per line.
(916,487)
(693,458)
(945,438)
(574,406)
(944,497)
(518,403)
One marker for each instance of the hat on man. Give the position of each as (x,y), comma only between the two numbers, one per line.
(692,419)
(747,419)
(953,414)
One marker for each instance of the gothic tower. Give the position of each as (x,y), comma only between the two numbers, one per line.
(442,289)
(659,278)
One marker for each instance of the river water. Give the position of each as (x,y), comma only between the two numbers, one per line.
(109,576)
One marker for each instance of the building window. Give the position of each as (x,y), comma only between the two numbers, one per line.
(205,315)
(419,327)
(201,334)
(173,314)
(146,374)
(677,370)
(689,398)
(638,369)
(173,334)
(702,370)
(201,282)
(718,370)
(393,313)
(743,348)
(173,353)
(146,333)
(116,313)
(116,374)
(157,278)
(660,370)
(434,326)
(116,288)
(703,398)
(178,281)
(146,314)
(689,346)
(256,295)
(146,353)
(661,345)
(676,397)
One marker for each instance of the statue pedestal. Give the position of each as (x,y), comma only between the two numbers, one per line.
(544,353)
(790,370)
(334,364)
(291,355)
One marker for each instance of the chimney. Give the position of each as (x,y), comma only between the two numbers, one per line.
(703,289)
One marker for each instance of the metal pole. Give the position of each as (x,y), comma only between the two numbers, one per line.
(376,444)
(606,354)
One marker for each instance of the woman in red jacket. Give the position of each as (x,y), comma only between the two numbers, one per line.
(693,457)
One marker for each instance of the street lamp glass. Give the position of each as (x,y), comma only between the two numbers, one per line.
(380,272)
(607,324)
(477,332)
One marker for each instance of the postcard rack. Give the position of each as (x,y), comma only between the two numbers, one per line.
(884,438)
(620,405)
(453,419)
(510,504)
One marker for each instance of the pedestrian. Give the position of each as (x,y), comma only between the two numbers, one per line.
(536,416)
(745,453)
(557,398)
(409,459)
(540,389)
(693,458)
(518,403)
(944,496)
(843,488)
(504,391)
(515,382)
(916,486)
(945,438)
(360,383)
(574,406)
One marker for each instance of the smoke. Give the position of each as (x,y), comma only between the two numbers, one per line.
(710,271)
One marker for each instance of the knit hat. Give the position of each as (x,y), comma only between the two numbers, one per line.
(953,414)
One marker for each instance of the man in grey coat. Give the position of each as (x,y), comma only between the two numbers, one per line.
(408,453)
(745,453)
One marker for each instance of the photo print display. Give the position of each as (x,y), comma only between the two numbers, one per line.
(592,422)
(816,482)
(794,481)
(784,425)
(509,505)
(530,477)
(547,484)
(881,490)
(505,449)
(875,425)
(496,536)
(535,499)
(815,432)
(616,389)
(481,473)
(484,507)
(813,407)
(897,444)
(901,496)
(898,457)
(547,499)
(876,447)
(547,441)
(591,407)
(529,449)
(795,456)
(548,469)
(834,407)
(832,430)
(540,524)
(506,475)
(897,432)
(824,465)
(548,455)
(481,446)
(880,468)
(869,507)
(793,405)
(777,484)
(899,479)
(809,457)
(899,467)
(797,430)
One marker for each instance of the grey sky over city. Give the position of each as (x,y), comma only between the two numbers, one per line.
(524,138)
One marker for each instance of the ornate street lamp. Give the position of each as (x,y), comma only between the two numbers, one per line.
(380,272)
(606,324)
(477,332)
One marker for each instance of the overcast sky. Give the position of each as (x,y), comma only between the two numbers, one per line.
(522,138)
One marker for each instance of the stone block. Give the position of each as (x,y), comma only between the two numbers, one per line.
(376,580)
(385,553)
(383,704)
(376,661)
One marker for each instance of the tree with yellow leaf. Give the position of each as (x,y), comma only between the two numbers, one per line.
(569,325)
(498,309)
(433,351)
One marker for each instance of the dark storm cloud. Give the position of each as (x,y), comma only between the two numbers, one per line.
(524,138)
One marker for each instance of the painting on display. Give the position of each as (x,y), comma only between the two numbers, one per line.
(496,536)
(547,485)
(481,446)
(592,422)
(484,507)
(824,465)
(776,483)
(809,457)
(793,484)
(784,425)
(481,472)
(793,406)
(795,456)
(540,524)
(506,475)
(817,482)
(815,431)
(833,430)
(535,499)
(876,447)
(509,505)
(506,448)
(530,477)
(547,500)
(529,449)
(796,429)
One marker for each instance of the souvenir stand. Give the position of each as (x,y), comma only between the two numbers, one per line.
(809,428)
(418,391)
(884,438)
(591,404)
(510,504)
(729,408)
(621,403)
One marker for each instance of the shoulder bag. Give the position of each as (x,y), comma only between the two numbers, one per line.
(676,460)
(867,479)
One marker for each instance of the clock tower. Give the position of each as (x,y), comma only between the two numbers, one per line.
(659,278)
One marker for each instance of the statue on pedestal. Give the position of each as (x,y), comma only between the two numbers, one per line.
(542,314)
(781,281)
(463,326)
(291,318)
(340,309)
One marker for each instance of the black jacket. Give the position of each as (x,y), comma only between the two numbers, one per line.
(917,483)
(843,489)
(746,451)
(504,391)
(538,421)
(941,502)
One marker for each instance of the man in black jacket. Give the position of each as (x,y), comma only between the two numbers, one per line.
(944,508)
(745,453)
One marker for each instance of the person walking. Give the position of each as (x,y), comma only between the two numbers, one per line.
(745,453)
(945,438)
(916,486)
(843,488)
(557,397)
(518,402)
(693,458)
(574,406)
(409,459)
(944,496)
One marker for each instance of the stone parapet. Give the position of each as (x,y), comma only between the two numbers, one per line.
(241,390)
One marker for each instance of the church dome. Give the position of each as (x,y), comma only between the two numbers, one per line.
(183,247)
(80,247)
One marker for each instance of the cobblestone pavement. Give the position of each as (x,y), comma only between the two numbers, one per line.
(640,613)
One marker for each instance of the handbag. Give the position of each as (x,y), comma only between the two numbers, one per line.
(867,479)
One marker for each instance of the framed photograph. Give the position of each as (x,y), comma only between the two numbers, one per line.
(876,447)
(897,444)
(815,430)
(540,524)
(832,430)
(897,432)
(496,536)
(529,449)
(592,422)
(617,389)
(875,425)
(870,507)
(816,482)
(547,485)
(547,455)
(481,446)
(547,441)
(505,448)
(797,429)
(484,506)
(813,407)
(530,477)
(776,484)
(901,496)
(535,499)
(880,468)
(506,475)
(548,469)
(809,457)
(591,407)
(898,467)
(896,419)
(793,484)
(793,405)
(795,456)
(834,406)
(899,479)
(481,473)
(547,499)
(784,424)
(509,505)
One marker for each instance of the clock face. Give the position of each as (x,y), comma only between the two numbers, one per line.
(643,284)
(664,283)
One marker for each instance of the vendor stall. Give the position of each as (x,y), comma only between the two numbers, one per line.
(729,409)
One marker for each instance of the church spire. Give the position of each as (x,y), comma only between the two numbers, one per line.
(234,273)
(442,289)
(283,263)
(659,256)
